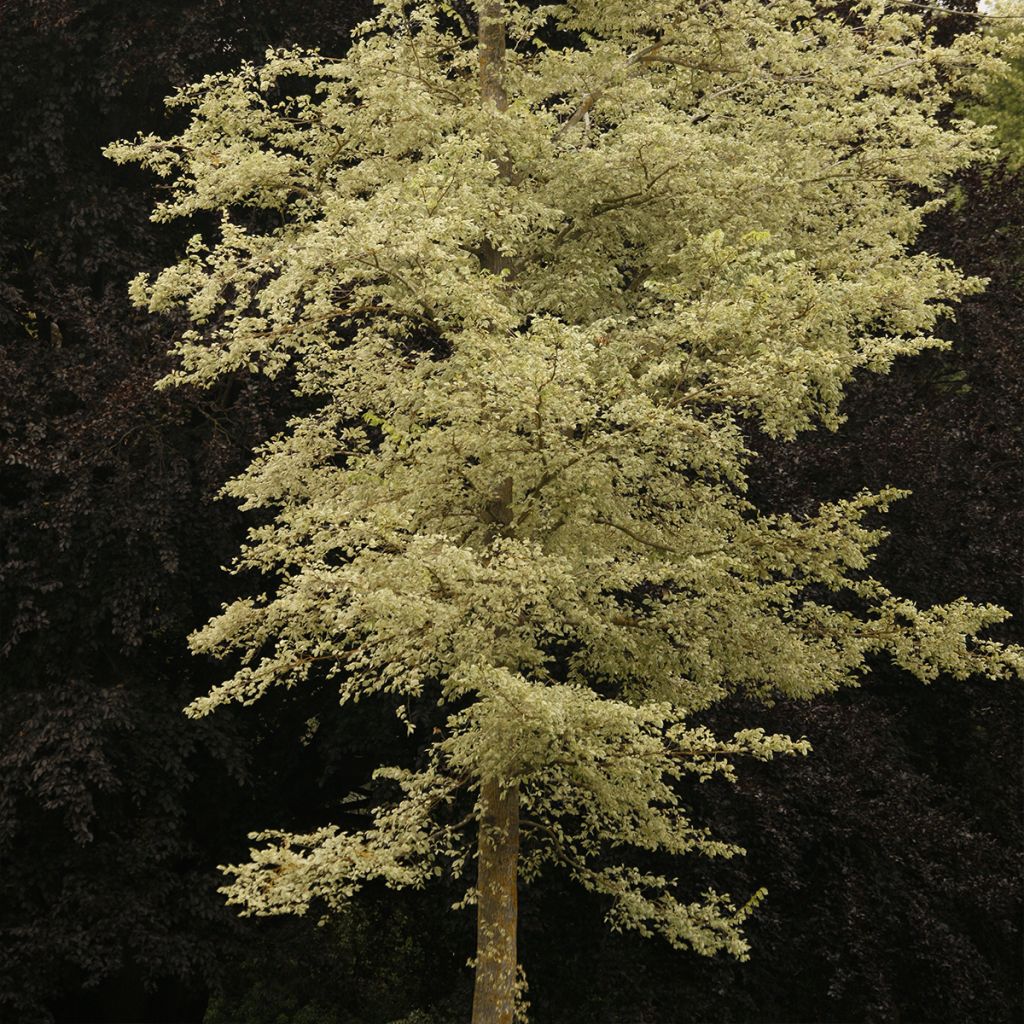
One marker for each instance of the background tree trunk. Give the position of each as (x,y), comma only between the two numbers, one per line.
(497,905)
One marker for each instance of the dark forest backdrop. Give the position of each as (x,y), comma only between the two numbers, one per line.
(892,854)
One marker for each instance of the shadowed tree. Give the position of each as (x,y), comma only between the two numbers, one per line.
(111,814)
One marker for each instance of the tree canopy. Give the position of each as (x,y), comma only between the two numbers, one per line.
(535,293)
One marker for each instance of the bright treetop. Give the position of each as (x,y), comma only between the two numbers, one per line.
(536,272)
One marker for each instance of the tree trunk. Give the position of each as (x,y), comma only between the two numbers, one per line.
(491,50)
(497,908)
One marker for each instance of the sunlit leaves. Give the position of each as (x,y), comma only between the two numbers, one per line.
(535,338)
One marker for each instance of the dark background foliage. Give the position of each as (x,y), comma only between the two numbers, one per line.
(890,854)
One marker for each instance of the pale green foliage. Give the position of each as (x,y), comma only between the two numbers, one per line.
(1002,102)
(701,216)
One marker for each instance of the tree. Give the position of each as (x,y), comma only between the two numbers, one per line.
(111,803)
(534,293)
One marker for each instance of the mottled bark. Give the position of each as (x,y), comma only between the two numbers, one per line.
(491,48)
(497,905)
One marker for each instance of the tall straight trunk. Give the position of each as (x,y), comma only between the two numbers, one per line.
(497,908)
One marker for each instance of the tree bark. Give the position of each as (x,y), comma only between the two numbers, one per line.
(491,48)
(491,51)
(497,909)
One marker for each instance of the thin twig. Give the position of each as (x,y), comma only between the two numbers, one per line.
(641,57)
(936,9)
